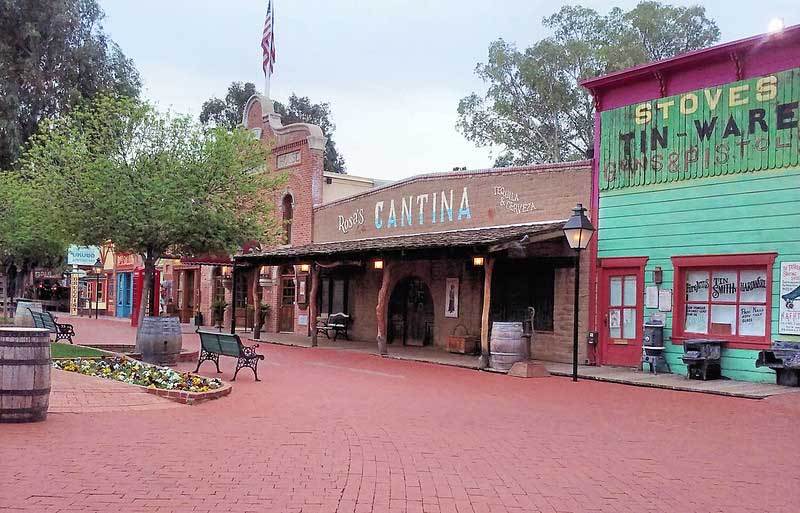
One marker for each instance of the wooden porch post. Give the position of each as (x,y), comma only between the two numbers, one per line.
(233,299)
(380,308)
(312,303)
(483,361)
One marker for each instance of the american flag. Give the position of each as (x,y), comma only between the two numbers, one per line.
(268,41)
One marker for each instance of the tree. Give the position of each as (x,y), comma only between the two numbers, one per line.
(154,184)
(535,110)
(54,56)
(31,233)
(228,113)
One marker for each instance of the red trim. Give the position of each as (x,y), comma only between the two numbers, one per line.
(681,263)
(696,57)
(615,262)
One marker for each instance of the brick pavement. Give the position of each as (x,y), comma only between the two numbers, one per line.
(77,393)
(333,431)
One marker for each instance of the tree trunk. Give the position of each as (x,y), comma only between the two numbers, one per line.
(147,282)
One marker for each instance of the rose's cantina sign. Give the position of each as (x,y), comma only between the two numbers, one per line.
(420,209)
(743,126)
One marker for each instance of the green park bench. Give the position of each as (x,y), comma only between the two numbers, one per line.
(213,345)
(46,320)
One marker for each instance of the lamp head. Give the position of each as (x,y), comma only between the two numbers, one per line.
(578,229)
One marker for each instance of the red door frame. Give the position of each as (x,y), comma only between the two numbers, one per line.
(614,264)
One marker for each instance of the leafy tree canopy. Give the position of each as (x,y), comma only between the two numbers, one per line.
(54,56)
(228,113)
(535,110)
(155,184)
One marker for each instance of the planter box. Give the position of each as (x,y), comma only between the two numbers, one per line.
(462,344)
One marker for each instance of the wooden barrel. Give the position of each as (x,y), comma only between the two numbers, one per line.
(22,317)
(160,340)
(24,374)
(507,345)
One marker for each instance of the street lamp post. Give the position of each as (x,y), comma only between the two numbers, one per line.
(578,230)
(98,268)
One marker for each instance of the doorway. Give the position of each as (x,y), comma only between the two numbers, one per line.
(411,313)
(124,294)
(621,307)
(186,293)
(286,318)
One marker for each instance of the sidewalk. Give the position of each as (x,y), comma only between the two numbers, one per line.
(625,376)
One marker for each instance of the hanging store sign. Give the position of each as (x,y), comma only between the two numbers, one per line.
(457,201)
(82,255)
(789,323)
(744,126)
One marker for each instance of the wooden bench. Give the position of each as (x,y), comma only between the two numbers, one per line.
(46,320)
(213,345)
(336,323)
(784,358)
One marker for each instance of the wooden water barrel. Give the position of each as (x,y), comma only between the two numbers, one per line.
(24,374)
(22,317)
(507,345)
(160,340)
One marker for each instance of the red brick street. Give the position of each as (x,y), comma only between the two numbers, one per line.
(336,431)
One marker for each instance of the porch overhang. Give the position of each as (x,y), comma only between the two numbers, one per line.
(478,240)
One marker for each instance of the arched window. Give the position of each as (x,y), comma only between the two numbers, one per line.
(287,219)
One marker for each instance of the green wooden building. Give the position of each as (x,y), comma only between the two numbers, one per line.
(697,203)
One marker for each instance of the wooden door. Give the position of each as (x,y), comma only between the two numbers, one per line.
(286,319)
(621,311)
(418,312)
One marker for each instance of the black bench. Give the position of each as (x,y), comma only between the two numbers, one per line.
(336,323)
(784,359)
(46,320)
(213,344)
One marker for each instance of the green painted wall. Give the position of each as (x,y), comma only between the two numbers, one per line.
(742,213)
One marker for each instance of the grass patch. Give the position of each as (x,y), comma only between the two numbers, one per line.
(59,350)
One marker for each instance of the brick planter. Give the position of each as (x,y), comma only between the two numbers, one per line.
(190,397)
(180,396)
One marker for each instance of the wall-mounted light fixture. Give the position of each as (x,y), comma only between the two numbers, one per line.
(304,268)
(658,275)
(377,264)
(478,261)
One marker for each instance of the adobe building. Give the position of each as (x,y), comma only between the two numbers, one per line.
(697,180)
(416,261)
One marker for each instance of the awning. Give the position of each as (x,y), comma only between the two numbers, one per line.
(482,238)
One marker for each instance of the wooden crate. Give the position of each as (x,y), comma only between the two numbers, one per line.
(462,344)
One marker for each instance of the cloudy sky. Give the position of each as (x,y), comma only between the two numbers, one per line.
(392,70)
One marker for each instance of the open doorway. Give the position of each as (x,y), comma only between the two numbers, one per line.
(411,313)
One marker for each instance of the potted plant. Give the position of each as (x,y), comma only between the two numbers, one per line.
(263,313)
(218,306)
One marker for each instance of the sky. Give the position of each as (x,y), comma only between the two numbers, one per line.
(392,71)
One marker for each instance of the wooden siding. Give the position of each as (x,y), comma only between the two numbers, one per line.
(743,213)
(740,127)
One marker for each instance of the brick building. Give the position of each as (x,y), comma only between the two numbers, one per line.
(415,261)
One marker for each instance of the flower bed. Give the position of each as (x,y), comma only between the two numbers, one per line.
(138,373)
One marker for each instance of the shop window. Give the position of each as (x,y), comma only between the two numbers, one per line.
(333,297)
(288,214)
(724,297)
(219,288)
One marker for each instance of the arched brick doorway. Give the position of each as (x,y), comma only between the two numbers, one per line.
(411,313)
